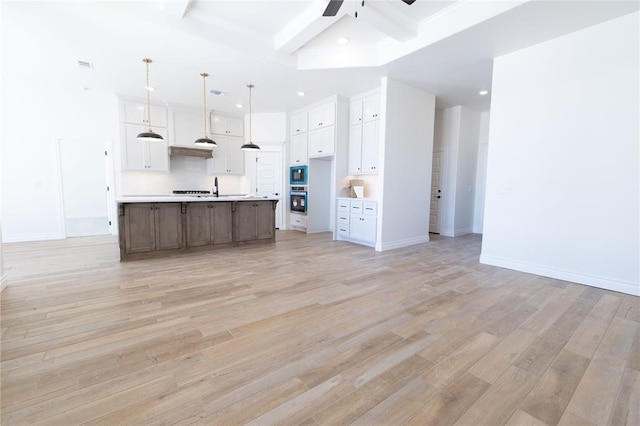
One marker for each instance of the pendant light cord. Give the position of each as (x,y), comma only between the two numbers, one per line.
(204,101)
(250,86)
(147,61)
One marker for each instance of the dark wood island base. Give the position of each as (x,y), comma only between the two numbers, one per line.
(158,229)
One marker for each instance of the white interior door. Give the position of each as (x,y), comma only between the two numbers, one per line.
(269,179)
(436,193)
(84,188)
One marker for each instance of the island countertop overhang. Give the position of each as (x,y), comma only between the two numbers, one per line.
(189,198)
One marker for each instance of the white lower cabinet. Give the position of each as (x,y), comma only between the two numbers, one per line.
(298,221)
(357,220)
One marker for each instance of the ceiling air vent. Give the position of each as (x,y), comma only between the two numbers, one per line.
(217,92)
(85,65)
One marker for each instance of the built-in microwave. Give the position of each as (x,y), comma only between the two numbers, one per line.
(298,175)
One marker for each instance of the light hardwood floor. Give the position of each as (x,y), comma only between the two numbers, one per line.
(309,331)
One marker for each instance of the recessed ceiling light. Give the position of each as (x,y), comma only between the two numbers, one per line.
(217,92)
(300,93)
(483,92)
(343,40)
(238,105)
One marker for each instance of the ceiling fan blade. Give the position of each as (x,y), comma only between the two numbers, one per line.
(409,2)
(333,7)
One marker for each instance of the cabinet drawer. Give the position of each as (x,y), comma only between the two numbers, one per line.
(343,230)
(298,221)
(343,218)
(356,207)
(343,206)
(370,208)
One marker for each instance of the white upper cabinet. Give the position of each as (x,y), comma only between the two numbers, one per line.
(187,128)
(364,135)
(298,123)
(298,153)
(364,109)
(371,107)
(144,155)
(355,150)
(322,116)
(370,146)
(228,158)
(355,112)
(322,142)
(136,113)
(227,126)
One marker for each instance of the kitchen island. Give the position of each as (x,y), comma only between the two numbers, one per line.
(153,226)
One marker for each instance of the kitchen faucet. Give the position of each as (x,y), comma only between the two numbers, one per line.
(215,187)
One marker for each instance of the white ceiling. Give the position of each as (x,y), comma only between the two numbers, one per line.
(281,46)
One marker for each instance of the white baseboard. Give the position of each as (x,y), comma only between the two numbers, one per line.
(576,277)
(463,231)
(402,243)
(448,233)
(32,237)
(4,281)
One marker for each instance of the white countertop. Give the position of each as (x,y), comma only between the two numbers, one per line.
(189,198)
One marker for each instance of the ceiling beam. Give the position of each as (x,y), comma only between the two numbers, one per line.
(305,27)
(385,17)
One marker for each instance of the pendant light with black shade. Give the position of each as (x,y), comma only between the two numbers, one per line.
(250,146)
(205,141)
(150,135)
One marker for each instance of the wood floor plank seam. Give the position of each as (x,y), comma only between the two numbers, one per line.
(308,331)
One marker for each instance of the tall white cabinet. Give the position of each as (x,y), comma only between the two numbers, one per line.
(319,137)
(298,147)
(364,137)
(150,156)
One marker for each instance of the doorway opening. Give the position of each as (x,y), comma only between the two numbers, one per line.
(269,179)
(84,188)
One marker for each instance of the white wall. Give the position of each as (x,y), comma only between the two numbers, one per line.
(31,206)
(406,129)
(563,172)
(481,173)
(266,127)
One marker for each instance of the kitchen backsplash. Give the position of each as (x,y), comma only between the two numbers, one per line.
(185,173)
